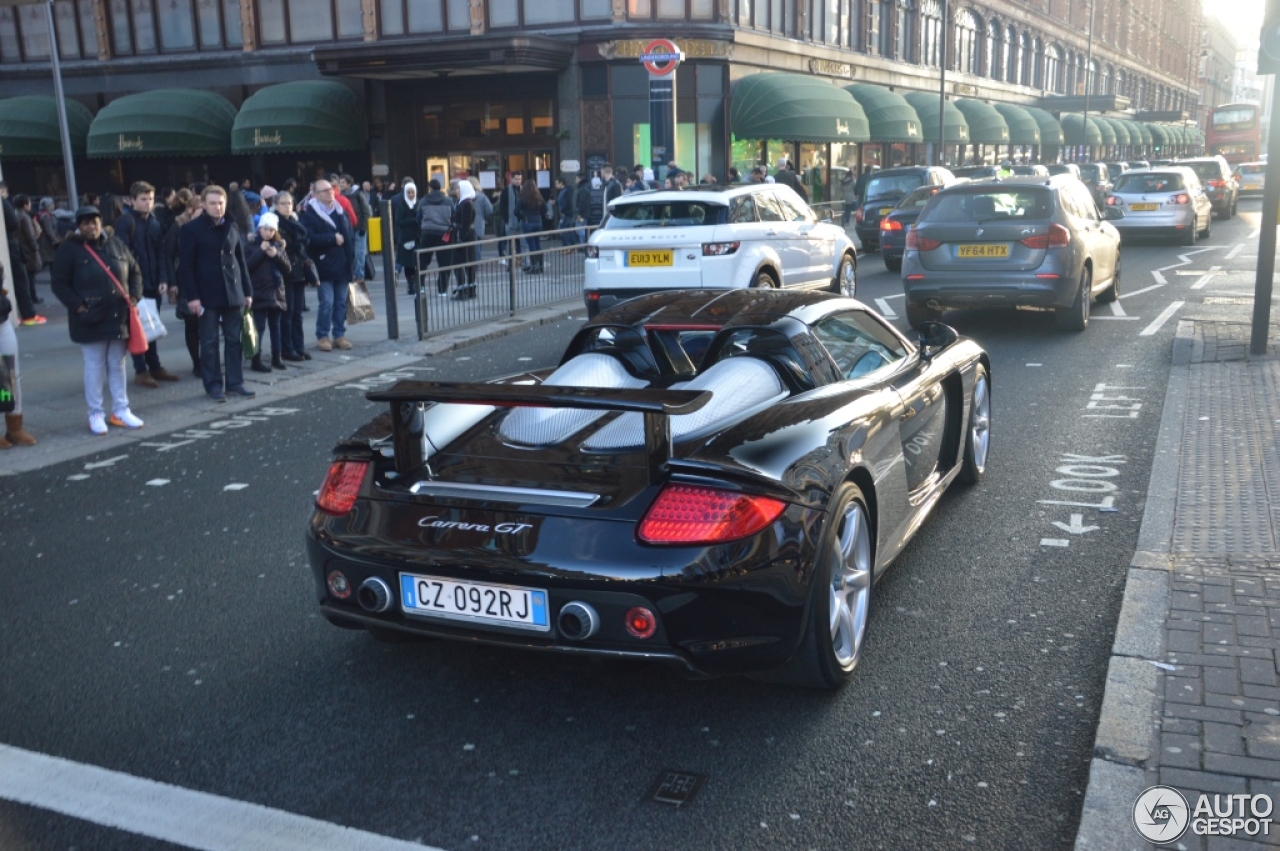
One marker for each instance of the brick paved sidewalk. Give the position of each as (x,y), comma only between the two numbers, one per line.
(1193,697)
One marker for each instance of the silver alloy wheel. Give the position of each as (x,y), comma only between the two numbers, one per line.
(980,423)
(848,277)
(851,586)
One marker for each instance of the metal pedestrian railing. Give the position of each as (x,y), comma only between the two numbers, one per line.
(469,283)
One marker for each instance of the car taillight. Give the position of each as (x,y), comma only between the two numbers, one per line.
(860,215)
(719,249)
(1180,198)
(341,486)
(593,252)
(1218,184)
(689,514)
(920,243)
(1057,237)
(640,622)
(890,224)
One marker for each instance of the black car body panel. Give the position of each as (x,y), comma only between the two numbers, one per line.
(455,491)
(885,189)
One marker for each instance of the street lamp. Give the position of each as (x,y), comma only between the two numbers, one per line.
(58,95)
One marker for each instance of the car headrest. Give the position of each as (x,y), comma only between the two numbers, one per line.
(984,205)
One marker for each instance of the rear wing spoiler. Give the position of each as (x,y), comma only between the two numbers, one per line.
(405,398)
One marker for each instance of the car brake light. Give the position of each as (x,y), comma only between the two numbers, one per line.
(688,514)
(920,243)
(1218,184)
(641,622)
(592,295)
(1180,198)
(719,249)
(341,486)
(593,252)
(1057,237)
(890,224)
(860,215)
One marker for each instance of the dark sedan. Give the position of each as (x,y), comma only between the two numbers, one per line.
(710,479)
(894,227)
(884,190)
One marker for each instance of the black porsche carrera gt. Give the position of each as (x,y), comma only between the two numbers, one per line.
(710,479)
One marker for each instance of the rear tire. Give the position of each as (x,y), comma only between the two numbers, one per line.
(918,314)
(846,279)
(893,265)
(1208,225)
(840,593)
(977,441)
(1235,206)
(1076,317)
(765,280)
(1189,238)
(1112,292)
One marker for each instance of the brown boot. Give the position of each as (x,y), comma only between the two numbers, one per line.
(144,379)
(4,444)
(163,374)
(13,432)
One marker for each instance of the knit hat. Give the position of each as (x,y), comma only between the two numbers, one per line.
(269,192)
(269,220)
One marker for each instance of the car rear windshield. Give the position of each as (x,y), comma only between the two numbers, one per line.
(1060,168)
(1155,182)
(674,214)
(918,198)
(1250,168)
(995,204)
(1209,170)
(893,184)
(1089,171)
(975,171)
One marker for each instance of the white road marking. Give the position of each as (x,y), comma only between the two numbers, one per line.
(1035,364)
(106,462)
(156,483)
(236,486)
(1213,270)
(1231,255)
(885,310)
(1158,277)
(1162,283)
(1054,542)
(1161,319)
(170,813)
(1076,527)
(1117,310)
(78,477)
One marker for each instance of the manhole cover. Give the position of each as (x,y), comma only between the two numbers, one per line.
(676,788)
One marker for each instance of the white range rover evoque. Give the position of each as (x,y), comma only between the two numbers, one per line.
(724,237)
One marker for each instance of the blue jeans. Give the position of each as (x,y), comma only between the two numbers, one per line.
(331,315)
(293,338)
(570,237)
(226,319)
(362,253)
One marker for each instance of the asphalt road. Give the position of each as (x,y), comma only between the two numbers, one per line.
(160,623)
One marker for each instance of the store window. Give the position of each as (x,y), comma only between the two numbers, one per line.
(178,26)
(64,22)
(120,35)
(995,40)
(594,10)
(903,29)
(1024,59)
(35,32)
(310,20)
(459,13)
(271,21)
(1053,68)
(551,11)
(9,51)
(667,9)
(425,16)
(966,42)
(875,23)
(88,29)
(503,13)
(233,33)
(350,19)
(931,33)
(144,27)
(639,9)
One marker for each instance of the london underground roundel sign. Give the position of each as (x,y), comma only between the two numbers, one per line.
(661,57)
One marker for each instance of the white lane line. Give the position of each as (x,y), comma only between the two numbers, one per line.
(1054,542)
(1118,318)
(1117,310)
(235,486)
(158,483)
(1158,277)
(885,310)
(1199,285)
(1144,290)
(170,813)
(1161,319)
(1231,255)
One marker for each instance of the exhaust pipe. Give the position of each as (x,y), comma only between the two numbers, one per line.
(578,621)
(374,595)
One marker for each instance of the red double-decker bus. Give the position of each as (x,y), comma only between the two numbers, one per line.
(1235,132)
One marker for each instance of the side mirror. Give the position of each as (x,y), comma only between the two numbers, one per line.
(1110,214)
(934,337)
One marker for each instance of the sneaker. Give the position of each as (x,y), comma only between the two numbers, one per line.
(35,320)
(124,419)
(241,391)
(144,379)
(98,423)
(342,343)
(324,345)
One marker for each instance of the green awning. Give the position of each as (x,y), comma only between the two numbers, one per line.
(309,115)
(795,108)
(954,123)
(1174,135)
(1138,133)
(1023,127)
(891,118)
(1117,127)
(1074,133)
(1158,134)
(29,128)
(1050,128)
(163,123)
(986,126)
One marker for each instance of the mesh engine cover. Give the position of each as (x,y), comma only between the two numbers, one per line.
(547,426)
(739,386)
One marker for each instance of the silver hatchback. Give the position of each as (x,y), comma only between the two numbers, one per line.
(1165,201)
(1025,242)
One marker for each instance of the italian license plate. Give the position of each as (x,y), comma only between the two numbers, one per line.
(474,602)
(649,258)
(979,251)
(1144,208)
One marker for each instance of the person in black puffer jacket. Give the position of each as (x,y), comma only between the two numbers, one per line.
(268,266)
(98,312)
(293,340)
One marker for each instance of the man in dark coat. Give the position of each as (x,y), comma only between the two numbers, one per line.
(331,244)
(23,291)
(141,233)
(214,282)
(787,177)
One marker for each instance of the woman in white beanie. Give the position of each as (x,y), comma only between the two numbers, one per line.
(269,265)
